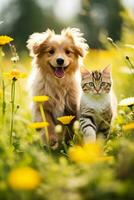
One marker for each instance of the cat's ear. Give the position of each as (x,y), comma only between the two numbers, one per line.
(85,73)
(107,70)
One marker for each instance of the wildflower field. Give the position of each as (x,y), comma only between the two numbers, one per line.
(104,170)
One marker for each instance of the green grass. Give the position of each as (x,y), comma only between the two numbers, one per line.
(61,178)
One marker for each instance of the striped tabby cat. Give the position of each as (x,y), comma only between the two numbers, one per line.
(96,111)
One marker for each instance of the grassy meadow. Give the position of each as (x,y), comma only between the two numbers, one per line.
(80,172)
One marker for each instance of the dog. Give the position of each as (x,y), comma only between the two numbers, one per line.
(56,73)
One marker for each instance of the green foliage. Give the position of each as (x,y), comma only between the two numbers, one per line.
(101,17)
(62,179)
(95,18)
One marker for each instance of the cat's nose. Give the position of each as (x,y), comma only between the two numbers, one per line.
(97,91)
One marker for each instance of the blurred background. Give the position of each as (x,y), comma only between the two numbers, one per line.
(98,19)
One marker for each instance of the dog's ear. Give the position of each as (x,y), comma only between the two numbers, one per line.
(80,45)
(37,40)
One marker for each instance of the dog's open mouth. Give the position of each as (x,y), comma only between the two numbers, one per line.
(59,71)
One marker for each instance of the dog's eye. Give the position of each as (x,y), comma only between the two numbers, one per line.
(51,51)
(67,52)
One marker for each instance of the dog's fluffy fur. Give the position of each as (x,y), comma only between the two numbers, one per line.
(62,84)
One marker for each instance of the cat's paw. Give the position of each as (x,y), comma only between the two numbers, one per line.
(89,137)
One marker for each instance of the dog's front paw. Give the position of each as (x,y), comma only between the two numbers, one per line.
(53,142)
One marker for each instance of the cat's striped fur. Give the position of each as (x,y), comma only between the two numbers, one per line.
(96,111)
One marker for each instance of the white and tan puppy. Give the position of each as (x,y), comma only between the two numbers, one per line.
(56,73)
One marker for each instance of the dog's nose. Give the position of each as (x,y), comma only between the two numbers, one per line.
(60,61)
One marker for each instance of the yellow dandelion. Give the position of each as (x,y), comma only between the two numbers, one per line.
(38,124)
(24,178)
(89,153)
(106,158)
(77,154)
(128,126)
(66,119)
(5,39)
(14,74)
(40,98)
(127,102)
(93,149)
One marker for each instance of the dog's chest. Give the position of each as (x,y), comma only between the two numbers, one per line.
(58,93)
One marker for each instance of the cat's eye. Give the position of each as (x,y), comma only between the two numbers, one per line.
(109,84)
(103,84)
(91,84)
(51,51)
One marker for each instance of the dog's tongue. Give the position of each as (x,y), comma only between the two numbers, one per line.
(59,72)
